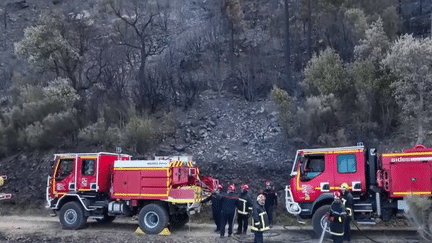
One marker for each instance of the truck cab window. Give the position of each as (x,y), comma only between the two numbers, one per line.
(346,163)
(313,167)
(88,167)
(64,168)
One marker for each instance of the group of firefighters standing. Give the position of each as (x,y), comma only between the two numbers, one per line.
(225,205)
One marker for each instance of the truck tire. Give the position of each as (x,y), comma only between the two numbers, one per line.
(318,219)
(178,220)
(72,216)
(153,218)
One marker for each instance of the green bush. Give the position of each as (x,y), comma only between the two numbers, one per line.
(139,134)
(286,108)
(95,133)
(321,121)
(54,130)
(41,117)
(98,134)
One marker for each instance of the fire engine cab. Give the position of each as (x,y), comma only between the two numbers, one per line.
(378,182)
(161,192)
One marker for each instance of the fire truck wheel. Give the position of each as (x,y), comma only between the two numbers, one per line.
(72,216)
(153,218)
(318,220)
(178,220)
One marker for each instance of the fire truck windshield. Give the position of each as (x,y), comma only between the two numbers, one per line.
(64,168)
(313,166)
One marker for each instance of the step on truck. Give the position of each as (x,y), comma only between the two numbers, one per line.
(160,193)
(378,182)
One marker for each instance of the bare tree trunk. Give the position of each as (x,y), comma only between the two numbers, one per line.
(5,16)
(420,120)
(421,7)
(289,86)
(231,55)
(309,31)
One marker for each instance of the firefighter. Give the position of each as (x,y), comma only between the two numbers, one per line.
(337,216)
(271,200)
(260,220)
(348,202)
(228,203)
(244,208)
(215,198)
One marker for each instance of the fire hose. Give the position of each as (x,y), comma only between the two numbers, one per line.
(356,225)
(323,232)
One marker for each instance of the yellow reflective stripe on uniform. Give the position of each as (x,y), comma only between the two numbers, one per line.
(262,218)
(349,211)
(264,227)
(244,206)
(337,234)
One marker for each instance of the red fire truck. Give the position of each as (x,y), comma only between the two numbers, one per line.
(101,186)
(377,182)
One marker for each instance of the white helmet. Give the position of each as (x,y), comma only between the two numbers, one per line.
(261,199)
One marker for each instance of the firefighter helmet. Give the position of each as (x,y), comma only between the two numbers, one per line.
(337,195)
(268,184)
(245,187)
(231,188)
(344,187)
(261,199)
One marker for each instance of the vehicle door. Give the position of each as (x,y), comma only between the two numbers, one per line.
(86,173)
(313,172)
(64,176)
(350,168)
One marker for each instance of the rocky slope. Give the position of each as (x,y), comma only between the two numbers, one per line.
(235,141)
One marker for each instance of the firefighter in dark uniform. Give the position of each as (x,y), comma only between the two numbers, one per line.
(244,208)
(348,202)
(228,203)
(260,221)
(215,198)
(271,201)
(337,216)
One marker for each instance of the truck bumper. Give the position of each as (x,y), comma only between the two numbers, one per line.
(291,206)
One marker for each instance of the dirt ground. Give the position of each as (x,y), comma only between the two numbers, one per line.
(48,229)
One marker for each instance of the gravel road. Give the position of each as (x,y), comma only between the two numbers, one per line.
(48,229)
